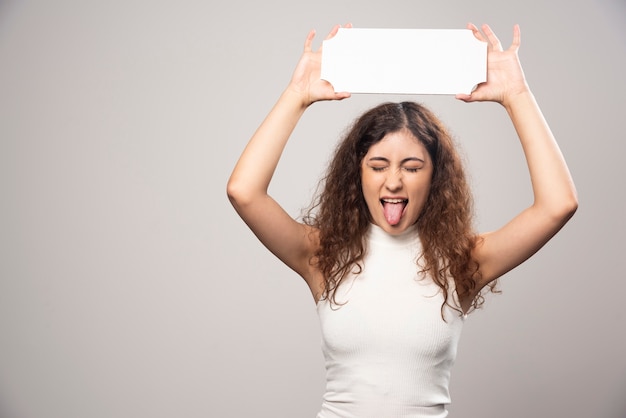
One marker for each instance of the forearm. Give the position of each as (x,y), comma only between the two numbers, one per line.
(254,170)
(552,184)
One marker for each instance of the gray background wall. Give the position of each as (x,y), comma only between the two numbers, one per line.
(129,287)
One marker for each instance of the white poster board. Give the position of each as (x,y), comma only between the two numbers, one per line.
(404,61)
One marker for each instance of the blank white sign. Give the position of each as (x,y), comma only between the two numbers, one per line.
(404,61)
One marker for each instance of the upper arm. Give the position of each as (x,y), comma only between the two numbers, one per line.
(502,250)
(292,242)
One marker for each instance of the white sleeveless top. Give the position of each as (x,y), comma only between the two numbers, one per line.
(388,352)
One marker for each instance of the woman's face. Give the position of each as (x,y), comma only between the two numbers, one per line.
(396,173)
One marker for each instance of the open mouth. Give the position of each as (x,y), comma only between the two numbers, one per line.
(393,209)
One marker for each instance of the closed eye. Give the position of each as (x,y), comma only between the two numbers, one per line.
(410,164)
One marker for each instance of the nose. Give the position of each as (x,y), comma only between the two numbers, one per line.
(393,181)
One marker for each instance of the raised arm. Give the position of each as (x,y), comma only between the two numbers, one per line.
(555,199)
(247,187)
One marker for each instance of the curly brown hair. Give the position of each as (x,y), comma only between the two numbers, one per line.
(340,214)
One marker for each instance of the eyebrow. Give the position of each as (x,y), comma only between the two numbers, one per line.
(403,161)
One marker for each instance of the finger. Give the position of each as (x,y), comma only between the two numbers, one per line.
(309,41)
(477,34)
(330,35)
(348,25)
(333,31)
(494,42)
(517,38)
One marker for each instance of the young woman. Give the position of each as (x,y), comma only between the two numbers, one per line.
(388,249)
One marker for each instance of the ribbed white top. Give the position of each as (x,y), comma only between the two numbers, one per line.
(388,351)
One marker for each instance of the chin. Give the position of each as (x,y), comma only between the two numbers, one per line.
(394,229)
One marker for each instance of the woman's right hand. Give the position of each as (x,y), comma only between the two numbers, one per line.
(306,80)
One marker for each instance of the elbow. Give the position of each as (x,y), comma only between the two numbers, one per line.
(573,204)
(234,192)
(557,208)
(571,207)
(570,203)
(238,193)
(566,208)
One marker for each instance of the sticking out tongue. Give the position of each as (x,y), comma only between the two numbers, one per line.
(393,212)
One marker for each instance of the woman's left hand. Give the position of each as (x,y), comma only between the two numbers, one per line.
(505,77)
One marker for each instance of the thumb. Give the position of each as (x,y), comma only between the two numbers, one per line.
(464,97)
